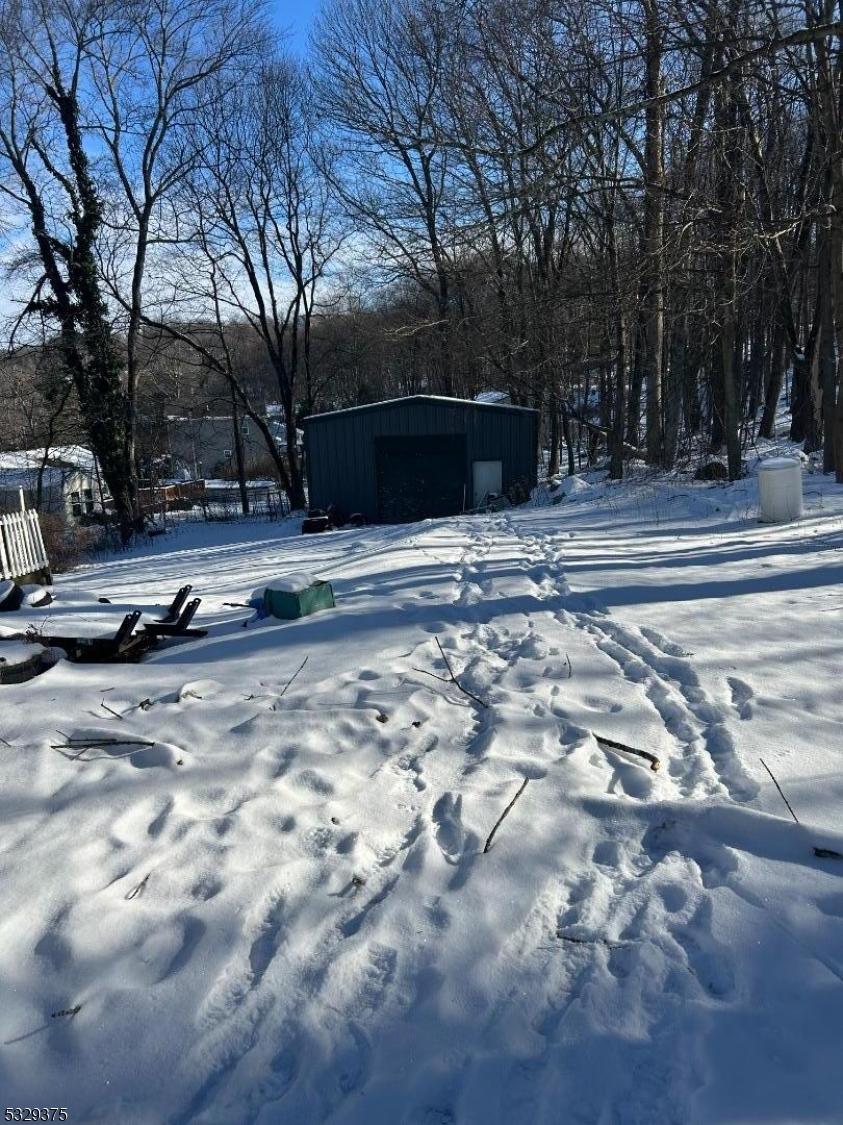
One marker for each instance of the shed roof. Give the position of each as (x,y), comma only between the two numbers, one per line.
(440,400)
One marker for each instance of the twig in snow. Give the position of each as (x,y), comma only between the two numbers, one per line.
(504,815)
(85,744)
(592,941)
(88,742)
(451,678)
(113,757)
(137,891)
(570,665)
(781,791)
(293,676)
(820,853)
(110,710)
(655,763)
(68,1012)
(454,679)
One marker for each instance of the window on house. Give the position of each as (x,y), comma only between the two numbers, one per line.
(82,502)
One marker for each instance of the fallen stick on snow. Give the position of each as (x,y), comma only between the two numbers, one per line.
(451,678)
(138,890)
(655,764)
(592,941)
(504,815)
(820,853)
(781,791)
(114,757)
(87,743)
(294,676)
(84,744)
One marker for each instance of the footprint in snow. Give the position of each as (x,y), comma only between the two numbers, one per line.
(447,817)
(659,641)
(315,782)
(742,696)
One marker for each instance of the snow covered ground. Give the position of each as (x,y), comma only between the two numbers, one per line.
(282,911)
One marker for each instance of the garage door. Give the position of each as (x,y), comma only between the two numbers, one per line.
(420,477)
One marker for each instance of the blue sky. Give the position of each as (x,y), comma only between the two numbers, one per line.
(295,16)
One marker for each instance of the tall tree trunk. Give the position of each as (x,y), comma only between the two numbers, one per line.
(569,441)
(636,382)
(731,419)
(616,434)
(238,453)
(775,380)
(553,464)
(654,232)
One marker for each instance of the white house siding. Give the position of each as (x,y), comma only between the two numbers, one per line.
(70,485)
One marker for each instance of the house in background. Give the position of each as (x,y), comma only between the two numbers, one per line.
(203,446)
(69,479)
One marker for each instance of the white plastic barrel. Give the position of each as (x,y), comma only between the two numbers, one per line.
(780,490)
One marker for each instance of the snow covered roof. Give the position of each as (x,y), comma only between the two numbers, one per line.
(492,396)
(442,399)
(279,432)
(60,456)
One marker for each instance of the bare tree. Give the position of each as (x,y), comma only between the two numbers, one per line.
(263,235)
(381,67)
(172,62)
(49,180)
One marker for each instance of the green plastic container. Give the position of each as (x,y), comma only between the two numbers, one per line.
(288,606)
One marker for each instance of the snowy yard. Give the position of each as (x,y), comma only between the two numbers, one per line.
(282,911)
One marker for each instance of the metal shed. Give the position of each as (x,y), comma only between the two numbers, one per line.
(418,457)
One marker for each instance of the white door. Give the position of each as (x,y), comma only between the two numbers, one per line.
(487,478)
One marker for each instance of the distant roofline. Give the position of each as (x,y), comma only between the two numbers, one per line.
(420,398)
(74,457)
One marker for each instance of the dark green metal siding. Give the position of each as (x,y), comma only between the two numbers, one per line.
(341,448)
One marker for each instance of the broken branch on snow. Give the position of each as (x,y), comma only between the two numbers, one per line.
(655,763)
(781,791)
(820,853)
(81,745)
(451,678)
(281,695)
(592,940)
(504,815)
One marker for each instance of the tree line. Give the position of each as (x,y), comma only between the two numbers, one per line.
(626,213)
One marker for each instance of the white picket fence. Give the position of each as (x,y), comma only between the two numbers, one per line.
(21,545)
